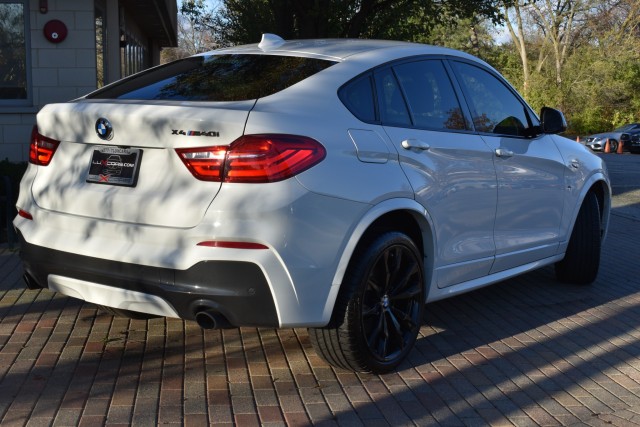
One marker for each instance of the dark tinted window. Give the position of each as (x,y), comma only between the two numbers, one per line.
(430,95)
(216,78)
(494,107)
(358,97)
(392,106)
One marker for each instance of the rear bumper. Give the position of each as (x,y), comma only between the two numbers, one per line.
(237,290)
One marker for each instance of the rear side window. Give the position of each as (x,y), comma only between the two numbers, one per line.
(392,106)
(430,95)
(215,78)
(358,97)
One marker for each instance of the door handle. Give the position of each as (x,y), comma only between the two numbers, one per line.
(504,153)
(574,164)
(408,144)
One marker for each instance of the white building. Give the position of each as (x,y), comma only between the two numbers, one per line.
(58,50)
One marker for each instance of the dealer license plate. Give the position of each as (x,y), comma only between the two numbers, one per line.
(115,166)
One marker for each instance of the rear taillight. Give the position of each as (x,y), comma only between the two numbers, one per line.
(254,158)
(41,149)
(205,163)
(25,214)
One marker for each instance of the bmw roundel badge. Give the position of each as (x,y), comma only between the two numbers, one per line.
(104,129)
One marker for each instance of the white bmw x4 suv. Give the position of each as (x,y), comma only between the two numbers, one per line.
(337,185)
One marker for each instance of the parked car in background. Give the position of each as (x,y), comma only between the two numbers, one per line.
(634,144)
(622,134)
(337,185)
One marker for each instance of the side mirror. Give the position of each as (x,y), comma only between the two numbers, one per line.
(553,121)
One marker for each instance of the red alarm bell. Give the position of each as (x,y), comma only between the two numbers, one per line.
(55,31)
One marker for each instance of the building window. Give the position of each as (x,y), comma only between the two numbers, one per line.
(13,53)
(133,55)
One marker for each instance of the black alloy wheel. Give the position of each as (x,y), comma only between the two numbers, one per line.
(379,310)
(582,257)
(391,304)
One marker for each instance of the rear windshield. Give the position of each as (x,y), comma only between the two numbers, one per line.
(215,78)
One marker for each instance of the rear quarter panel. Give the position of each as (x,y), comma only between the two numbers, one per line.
(312,108)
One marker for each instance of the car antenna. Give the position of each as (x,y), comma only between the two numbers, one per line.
(270,41)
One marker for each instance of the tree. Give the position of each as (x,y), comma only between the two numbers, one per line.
(604,71)
(581,56)
(518,37)
(554,25)
(469,35)
(192,37)
(557,21)
(243,21)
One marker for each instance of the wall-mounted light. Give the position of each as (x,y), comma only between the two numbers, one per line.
(44,6)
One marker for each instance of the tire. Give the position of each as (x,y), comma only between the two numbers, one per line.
(582,258)
(136,315)
(379,309)
(613,145)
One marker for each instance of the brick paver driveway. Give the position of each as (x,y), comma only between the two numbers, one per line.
(528,351)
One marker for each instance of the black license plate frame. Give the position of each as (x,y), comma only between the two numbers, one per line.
(115,166)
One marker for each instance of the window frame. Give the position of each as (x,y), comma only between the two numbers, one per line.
(532,118)
(18,105)
(375,72)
